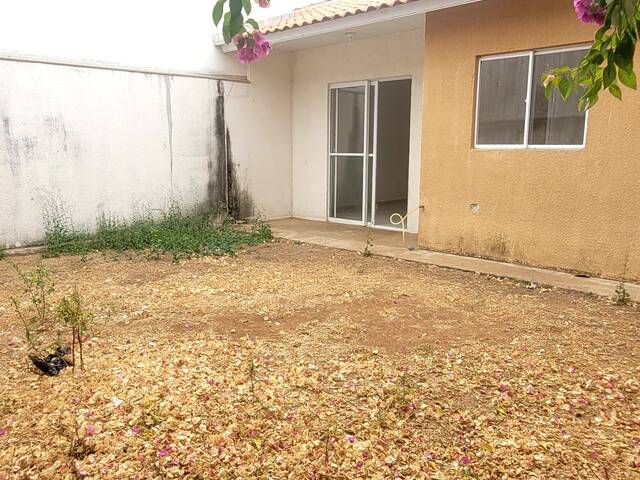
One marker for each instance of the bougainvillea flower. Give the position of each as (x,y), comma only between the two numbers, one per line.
(590,11)
(91,430)
(245,53)
(261,46)
(163,452)
(264,3)
(254,48)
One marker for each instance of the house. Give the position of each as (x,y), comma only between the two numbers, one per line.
(398,105)
(428,108)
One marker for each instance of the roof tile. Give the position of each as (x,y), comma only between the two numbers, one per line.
(324,11)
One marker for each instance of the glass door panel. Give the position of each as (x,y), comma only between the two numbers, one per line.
(348,137)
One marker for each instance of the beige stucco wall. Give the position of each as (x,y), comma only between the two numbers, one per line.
(574,210)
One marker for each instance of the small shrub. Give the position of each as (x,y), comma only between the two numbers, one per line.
(74,318)
(3,253)
(41,329)
(44,330)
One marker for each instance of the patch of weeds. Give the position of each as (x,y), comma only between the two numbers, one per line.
(179,234)
(3,253)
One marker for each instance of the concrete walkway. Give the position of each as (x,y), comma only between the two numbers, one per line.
(389,244)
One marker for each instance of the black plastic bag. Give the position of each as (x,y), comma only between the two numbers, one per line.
(54,363)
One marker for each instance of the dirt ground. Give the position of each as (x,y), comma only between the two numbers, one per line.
(303,362)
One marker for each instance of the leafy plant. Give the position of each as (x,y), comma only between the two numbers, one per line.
(41,329)
(44,325)
(74,318)
(609,62)
(622,296)
(3,253)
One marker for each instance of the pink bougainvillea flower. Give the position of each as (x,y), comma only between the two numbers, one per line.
(261,46)
(91,430)
(163,452)
(245,54)
(254,48)
(351,439)
(590,11)
(264,3)
(465,460)
(3,432)
(135,430)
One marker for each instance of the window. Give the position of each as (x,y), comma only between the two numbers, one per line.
(512,110)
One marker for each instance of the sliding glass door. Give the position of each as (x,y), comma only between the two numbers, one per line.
(369,125)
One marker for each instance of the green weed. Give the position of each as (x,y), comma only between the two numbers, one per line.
(181,235)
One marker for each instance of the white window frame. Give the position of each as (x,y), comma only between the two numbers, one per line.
(527,119)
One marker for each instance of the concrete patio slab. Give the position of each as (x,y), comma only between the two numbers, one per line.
(389,244)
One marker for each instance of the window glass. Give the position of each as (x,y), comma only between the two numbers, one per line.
(555,121)
(502,94)
(350,118)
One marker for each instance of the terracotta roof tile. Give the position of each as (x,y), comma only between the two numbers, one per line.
(323,11)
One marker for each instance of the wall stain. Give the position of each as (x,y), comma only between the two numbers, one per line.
(222,188)
(167,83)
(57,128)
(19,148)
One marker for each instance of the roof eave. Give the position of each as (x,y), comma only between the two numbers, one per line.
(350,21)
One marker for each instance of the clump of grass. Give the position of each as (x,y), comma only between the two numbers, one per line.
(3,253)
(182,235)
(622,296)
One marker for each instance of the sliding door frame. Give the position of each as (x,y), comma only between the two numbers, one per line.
(368,208)
(334,156)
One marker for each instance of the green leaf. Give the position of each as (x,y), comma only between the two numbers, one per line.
(236,20)
(609,75)
(253,23)
(614,89)
(624,52)
(247,6)
(615,16)
(217,11)
(630,9)
(628,78)
(235,7)
(226,30)
(565,88)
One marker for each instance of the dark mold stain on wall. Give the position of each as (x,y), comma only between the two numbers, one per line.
(222,188)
